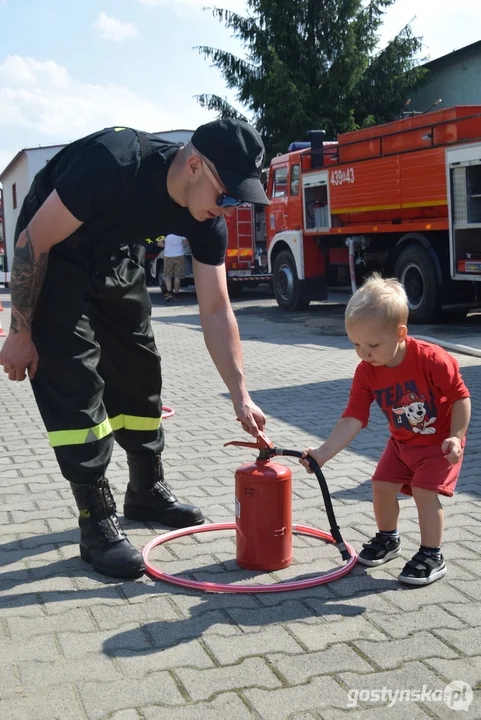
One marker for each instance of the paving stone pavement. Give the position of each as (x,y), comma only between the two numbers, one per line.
(75,645)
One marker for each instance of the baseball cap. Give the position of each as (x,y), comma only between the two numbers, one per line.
(237,152)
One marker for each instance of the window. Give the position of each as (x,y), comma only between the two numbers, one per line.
(295,180)
(280,182)
(14,195)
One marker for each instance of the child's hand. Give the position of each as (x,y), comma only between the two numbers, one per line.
(452,450)
(315,453)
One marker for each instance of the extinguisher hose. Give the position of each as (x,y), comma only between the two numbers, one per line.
(335,531)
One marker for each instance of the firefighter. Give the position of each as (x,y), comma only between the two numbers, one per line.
(81,327)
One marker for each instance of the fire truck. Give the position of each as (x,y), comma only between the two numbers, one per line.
(246,257)
(403,198)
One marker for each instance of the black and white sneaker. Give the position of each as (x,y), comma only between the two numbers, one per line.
(379,550)
(423,569)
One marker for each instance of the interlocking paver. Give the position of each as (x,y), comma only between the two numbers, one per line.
(420,646)
(321,635)
(189,654)
(469,669)
(298,669)
(397,712)
(467,641)
(279,704)
(42,648)
(38,675)
(470,614)
(227,705)
(77,620)
(251,672)
(84,646)
(62,701)
(100,698)
(271,639)
(405,624)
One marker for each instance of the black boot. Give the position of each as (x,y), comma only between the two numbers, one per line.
(102,541)
(149,498)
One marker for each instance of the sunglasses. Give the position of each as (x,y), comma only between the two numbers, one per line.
(224,200)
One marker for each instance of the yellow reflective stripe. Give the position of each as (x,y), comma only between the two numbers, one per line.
(240,252)
(80,437)
(134,422)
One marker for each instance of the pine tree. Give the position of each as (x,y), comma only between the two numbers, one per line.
(314,64)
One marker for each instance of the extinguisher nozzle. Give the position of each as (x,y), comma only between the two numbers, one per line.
(345,554)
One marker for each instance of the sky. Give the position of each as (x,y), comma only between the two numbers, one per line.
(70,67)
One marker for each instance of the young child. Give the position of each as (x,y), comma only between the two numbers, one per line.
(419,389)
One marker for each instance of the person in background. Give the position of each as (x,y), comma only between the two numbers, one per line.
(174,263)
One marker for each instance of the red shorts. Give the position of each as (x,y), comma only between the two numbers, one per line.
(416,466)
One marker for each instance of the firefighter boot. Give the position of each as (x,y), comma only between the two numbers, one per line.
(149,498)
(102,541)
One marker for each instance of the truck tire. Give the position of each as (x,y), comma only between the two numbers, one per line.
(288,289)
(234,288)
(416,271)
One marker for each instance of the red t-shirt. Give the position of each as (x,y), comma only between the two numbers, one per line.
(416,396)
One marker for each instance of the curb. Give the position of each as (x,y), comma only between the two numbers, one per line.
(463,349)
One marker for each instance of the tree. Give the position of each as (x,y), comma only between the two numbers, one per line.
(314,64)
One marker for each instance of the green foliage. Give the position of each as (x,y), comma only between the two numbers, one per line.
(314,64)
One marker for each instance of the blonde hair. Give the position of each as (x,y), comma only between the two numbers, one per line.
(381,298)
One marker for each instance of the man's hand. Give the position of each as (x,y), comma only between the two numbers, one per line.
(18,355)
(316,453)
(452,450)
(252,418)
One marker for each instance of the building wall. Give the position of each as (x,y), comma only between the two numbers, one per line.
(38,158)
(456,81)
(17,176)
(21,175)
(1,220)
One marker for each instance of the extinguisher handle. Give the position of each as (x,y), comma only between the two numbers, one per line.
(262,443)
(334,527)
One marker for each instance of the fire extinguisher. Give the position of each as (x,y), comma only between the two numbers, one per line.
(263,509)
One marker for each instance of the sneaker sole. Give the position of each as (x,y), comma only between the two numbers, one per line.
(423,581)
(132,575)
(385,559)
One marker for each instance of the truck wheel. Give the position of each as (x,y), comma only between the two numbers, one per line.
(415,270)
(288,289)
(234,288)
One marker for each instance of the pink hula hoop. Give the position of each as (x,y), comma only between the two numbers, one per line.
(167,412)
(222,588)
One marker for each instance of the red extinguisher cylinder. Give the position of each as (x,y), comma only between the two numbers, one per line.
(263,516)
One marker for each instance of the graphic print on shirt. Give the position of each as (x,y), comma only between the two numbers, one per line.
(405,407)
(412,406)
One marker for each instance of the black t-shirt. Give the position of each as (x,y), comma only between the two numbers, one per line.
(120,193)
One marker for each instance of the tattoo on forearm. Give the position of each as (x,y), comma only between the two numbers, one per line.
(28,274)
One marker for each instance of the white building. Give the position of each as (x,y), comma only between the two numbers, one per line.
(16,180)
(20,172)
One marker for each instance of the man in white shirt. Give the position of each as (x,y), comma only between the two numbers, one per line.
(174,266)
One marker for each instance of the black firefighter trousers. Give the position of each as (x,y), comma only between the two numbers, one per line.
(99,373)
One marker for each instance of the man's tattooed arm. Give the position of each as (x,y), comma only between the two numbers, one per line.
(28,274)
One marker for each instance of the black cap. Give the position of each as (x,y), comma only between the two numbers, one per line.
(238,153)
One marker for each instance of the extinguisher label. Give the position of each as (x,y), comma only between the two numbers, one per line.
(237,508)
